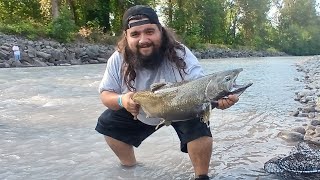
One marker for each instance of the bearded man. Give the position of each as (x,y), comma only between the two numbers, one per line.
(148,53)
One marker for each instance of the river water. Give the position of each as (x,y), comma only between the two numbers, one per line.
(48,116)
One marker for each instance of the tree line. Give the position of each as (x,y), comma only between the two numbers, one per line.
(291,26)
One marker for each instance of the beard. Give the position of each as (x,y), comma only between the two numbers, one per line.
(151,61)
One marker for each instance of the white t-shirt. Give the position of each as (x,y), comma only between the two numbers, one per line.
(15,48)
(113,79)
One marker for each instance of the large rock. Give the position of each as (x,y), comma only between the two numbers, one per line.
(43,55)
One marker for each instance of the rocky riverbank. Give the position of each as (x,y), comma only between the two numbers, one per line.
(309,97)
(51,53)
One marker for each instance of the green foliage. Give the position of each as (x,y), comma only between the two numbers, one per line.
(118,9)
(212,21)
(93,33)
(13,11)
(299,28)
(84,11)
(63,27)
(196,22)
(272,50)
(192,37)
(28,29)
(234,23)
(300,41)
(252,21)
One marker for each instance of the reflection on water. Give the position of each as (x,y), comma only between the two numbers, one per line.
(48,115)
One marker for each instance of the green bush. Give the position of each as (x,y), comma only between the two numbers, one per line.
(193,42)
(272,50)
(215,46)
(63,28)
(93,33)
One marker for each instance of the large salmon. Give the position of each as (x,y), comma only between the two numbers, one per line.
(188,100)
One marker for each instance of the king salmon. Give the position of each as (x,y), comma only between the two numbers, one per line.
(188,99)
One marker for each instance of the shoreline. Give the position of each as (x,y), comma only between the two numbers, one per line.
(45,53)
(309,98)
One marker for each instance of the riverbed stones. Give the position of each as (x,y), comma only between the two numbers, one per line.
(51,53)
(306,132)
(309,97)
(291,136)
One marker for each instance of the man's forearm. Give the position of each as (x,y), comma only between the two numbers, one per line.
(110,100)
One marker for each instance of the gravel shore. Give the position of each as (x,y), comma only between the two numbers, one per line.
(309,97)
(51,53)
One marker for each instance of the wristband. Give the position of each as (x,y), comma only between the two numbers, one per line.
(120,100)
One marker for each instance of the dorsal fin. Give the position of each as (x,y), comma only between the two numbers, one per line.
(157,86)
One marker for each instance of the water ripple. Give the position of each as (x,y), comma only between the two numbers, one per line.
(48,115)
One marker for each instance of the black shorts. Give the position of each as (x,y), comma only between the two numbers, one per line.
(120,125)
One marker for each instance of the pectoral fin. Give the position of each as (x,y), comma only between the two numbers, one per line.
(165,122)
(206,107)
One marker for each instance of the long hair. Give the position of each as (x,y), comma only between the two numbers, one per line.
(169,47)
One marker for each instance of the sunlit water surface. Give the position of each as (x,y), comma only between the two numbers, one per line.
(48,116)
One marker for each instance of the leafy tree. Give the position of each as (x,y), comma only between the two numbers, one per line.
(91,12)
(212,21)
(200,21)
(13,11)
(253,21)
(118,7)
(63,27)
(299,27)
(232,11)
(294,28)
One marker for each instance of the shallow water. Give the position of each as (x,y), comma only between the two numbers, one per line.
(48,116)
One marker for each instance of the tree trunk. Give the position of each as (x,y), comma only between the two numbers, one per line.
(55,8)
(105,16)
(170,11)
(73,9)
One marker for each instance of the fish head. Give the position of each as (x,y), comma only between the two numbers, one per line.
(148,99)
(142,97)
(150,102)
(223,83)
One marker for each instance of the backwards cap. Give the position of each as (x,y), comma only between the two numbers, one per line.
(139,10)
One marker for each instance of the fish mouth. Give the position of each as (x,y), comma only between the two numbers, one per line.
(235,89)
(239,89)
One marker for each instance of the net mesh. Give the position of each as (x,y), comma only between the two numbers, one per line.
(303,162)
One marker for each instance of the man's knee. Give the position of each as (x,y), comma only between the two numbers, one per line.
(114,142)
(205,141)
(123,150)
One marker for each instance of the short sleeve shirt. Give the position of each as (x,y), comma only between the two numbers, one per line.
(15,48)
(113,79)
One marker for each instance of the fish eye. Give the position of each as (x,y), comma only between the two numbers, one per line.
(227,78)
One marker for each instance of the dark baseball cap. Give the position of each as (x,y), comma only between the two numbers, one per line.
(139,10)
